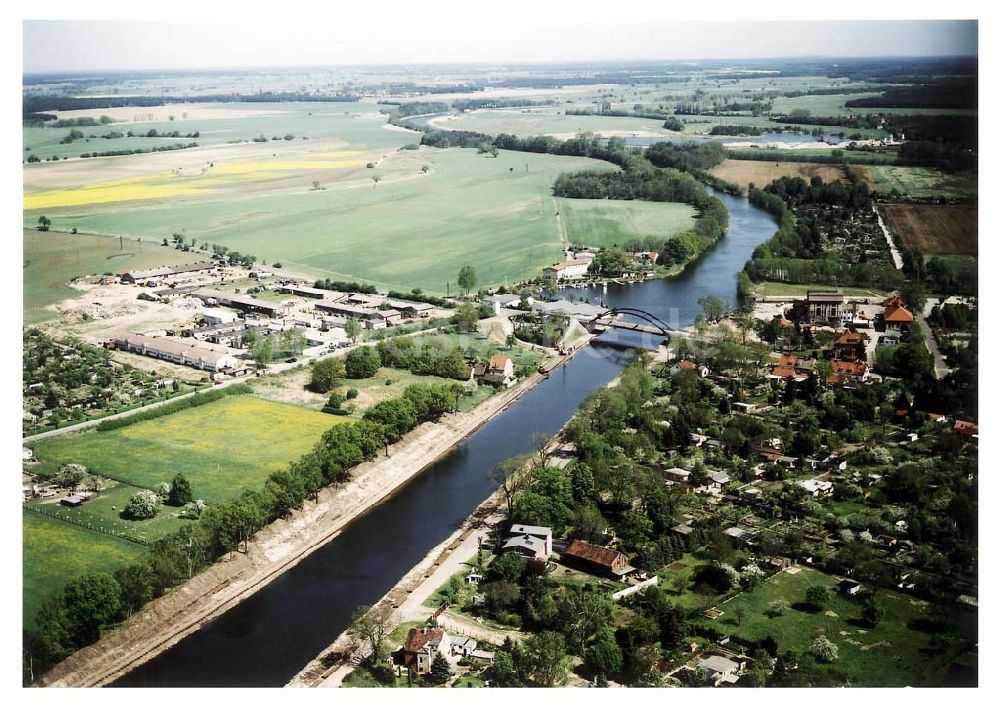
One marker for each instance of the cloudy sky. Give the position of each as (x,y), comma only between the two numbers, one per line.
(59,45)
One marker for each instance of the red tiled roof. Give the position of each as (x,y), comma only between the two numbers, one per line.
(844,367)
(966,428)
(783,372)
(593,553)
(788,361)
(848,338)
(499,361)
(418,638)
(897,313)
(833,379)
(685,364)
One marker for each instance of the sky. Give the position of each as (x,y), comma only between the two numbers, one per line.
(85,45)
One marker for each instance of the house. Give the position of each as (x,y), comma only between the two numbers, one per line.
(896,317)
(503,300)
(597,559)
(500,370)
(463,646)
(77,499)
(966,429)
(742,537)
(722,670)
(684,364)
(849,346)
(748,408)
(529,541)
(815,487)
(849,372)
(676,474)
(789,367)
(422,646)
(570,269)
(848,587)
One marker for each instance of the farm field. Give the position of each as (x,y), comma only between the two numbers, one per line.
(761,173)
(55,552)
(607,223)
(702,124)
(920,181)
(897,652)
(944,229)
(552,121)
(222,448)
(414,228)
(53,259)
(357,124)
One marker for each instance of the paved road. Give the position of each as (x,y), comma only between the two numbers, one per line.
(941,368)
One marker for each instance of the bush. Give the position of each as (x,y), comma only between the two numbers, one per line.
(352,393)
(325,375)
(362,363)
(817,597)
(180,491)
(823,650)
(141,506)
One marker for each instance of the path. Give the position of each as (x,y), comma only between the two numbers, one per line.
(897,259)
(941,368)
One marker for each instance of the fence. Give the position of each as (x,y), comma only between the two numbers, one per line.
(634,589)
(77,521)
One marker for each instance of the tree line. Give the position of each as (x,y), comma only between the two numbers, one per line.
(74,618)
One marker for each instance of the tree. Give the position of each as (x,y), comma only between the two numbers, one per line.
(712,306)
(262,352)
(441,671)
(466,317)
(362,363)
(92,602)
(777,607)
(140,506)
(501,596)
(872,611)
(817,596)
(353,329)
(823,650)
(180,491)
(546,659)
(44,223)
(604,656)
(136,585)
(326,374)
(370,626)
(512,477)
(375,179)
(467,279)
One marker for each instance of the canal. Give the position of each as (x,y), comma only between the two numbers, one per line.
(269,637)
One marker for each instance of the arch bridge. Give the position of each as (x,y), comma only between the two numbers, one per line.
(653,325)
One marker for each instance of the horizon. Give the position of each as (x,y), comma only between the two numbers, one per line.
(92,46)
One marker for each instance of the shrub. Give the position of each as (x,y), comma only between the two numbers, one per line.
(141,506)
(823,650)
(352,393)
(362,363)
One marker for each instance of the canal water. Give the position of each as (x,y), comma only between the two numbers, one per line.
(265,640)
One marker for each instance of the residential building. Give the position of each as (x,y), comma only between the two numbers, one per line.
(722,670)
(422,646)
(500,370)
(896,317)
(849,346)
(570,269)
(597,559)
(529,541)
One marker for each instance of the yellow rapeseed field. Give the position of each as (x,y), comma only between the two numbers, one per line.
(169,185)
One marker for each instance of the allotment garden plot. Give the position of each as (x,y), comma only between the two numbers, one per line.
(222,448)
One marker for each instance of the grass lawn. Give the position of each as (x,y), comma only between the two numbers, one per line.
(607,223)
(415,228)
(767,289)
(223,448)
(895,653)
(52,260)
(104,511)
(56,552)
(675,579)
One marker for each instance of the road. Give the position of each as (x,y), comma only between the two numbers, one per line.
(941,368)
(897,259)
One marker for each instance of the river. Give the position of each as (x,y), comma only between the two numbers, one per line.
(266,639)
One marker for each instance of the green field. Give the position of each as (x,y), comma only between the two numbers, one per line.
(223,448)
(598,222)
(307,121)
(104,511)
(919,181)
(51,260)
(413,229)
(56,552)
(897,652)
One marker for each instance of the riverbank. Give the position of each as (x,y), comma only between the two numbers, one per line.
(276,548)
